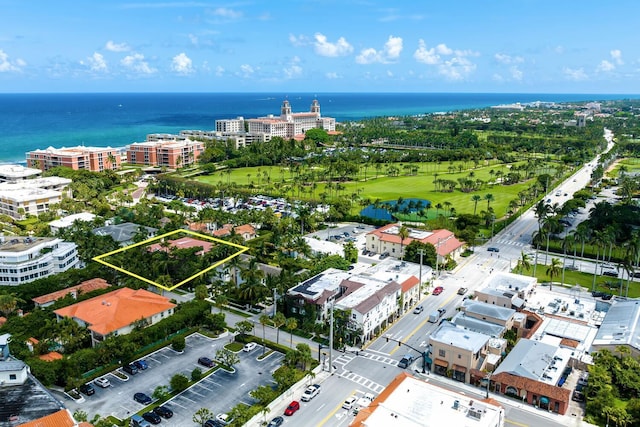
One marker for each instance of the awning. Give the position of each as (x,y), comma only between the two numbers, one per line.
(459,368)
(544,400)
(443,363)
(427,359)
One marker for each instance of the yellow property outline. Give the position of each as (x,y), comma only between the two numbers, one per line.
(100,259)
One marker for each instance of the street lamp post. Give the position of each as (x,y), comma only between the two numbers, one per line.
(331,335)
(421,252)
(488,378)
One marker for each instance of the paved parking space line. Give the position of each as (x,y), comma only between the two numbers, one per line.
(185,397)
(195,392)
(174,403)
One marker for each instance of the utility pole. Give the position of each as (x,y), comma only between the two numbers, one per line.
(275,302)
(331,335)
(421,252)
(437,260)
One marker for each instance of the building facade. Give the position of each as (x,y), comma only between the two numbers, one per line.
(32,196)
(387,239)
(96,159)
(171,151)
(26,259)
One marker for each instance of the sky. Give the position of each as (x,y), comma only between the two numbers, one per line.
(496,46)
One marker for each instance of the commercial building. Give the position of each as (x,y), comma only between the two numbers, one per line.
(620,328)
(170,151)
(411,402)
(96,159)
(32,196)
(118,312)
(506,289)
(26,259)
(387,239)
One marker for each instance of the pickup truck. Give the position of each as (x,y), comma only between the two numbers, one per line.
(436,315)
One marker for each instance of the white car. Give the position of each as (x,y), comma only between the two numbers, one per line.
(102,382)
(348,404)
(311,392)
(249,346)
(224,419)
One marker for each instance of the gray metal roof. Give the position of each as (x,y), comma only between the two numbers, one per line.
(450,334)
(124,232)
(476,325)
(11,365)
(528,359)
(28,402)
(620,325)
(490,310)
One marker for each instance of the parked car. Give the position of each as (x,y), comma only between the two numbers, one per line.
(607,297)
(438,290)
(349,403)
(152,417)
(142,398)
(138,421)
(493,249)
(141,364)
(130,369)
(249,346)
(311,392)
(102,382)
(205,361)
(163,411)
(384,255)
(419,309)
(611,273)
(87,389)
(462,291)
(276,422)
(577,396)
(224,419)
(292,408)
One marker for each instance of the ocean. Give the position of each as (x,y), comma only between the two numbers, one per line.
(33,121)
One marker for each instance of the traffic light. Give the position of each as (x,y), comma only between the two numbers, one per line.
(387,339)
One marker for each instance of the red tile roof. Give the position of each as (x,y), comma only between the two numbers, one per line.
(86,286)
(408,284)
(114,310)
(51,356)
(62,418)
(444,240)
(184,243)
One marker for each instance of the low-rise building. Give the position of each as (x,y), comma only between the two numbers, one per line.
(506,289)
(411,402)
(67,221)
(84,287)
(455,351)
(118,312)
(96,159)
(171,151)
(124,233)
(490,313)
(14,173)
(387,239)
(620,328)
(26,259)
(32,196)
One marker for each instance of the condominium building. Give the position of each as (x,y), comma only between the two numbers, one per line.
(171,151)
(26,259)
(32,196)
(13,173)
(96,159)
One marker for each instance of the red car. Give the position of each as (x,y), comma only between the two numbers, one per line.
(438,290)
(292,408)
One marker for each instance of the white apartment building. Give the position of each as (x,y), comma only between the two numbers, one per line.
(32,196)
(13,173)
(25,259)
(230,125)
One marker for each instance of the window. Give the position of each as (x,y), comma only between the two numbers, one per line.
(353,316)
(442,353)
(459,356)
(13,377)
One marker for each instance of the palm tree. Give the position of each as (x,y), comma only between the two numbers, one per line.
(553,270)
(523,263)
(598,240)
(291,325)
(489,198)
(264,320)
(403,233)
(475,199)
(278,321)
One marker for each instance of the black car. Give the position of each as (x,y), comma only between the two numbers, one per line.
(163,411)
(205,361)
(276,422)
(87,389)
(493,249)
(142,398)
(213,423)
(607,297)
(612,273)
(597,294)
(130,369)
(152,417)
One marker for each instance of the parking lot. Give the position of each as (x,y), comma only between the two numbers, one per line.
(219,392)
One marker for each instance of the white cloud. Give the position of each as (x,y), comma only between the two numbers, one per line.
(246,70)
(516,73)
(503,58)
(426,56)
(616,55)
(294,70)
(97,63)
(576,74)
(324,48)
(193,39)
(605,66)
(220,71)
(452,64)
(136,62)
(8,66)
(390,52)
(332,75)
(300,40)
(559,50)
(182,64)
(112,46)
(224,12)
(457,68)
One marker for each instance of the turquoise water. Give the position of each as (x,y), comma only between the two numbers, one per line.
(32,121)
